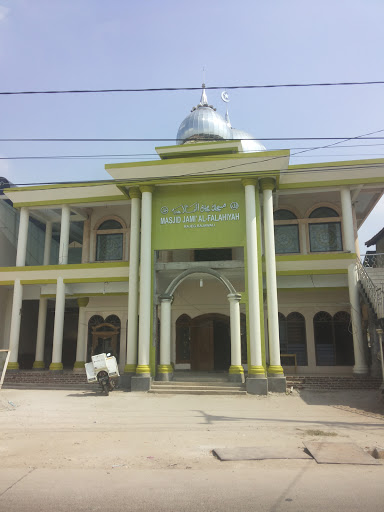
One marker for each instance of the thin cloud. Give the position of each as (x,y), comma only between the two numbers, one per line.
(4,11)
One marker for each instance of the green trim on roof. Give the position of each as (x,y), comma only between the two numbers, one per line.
(339,163)
(79,200)
(173,161)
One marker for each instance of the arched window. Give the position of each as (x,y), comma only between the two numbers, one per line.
(110,240)
(324,233)
(333,339)
(293,339)
(286,232)
(183,339)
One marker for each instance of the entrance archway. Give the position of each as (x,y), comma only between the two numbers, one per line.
(104,336)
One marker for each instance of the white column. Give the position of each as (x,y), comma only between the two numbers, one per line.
(256,367)
(47,243)
(64,235)
(22,238)
(165,370)
(82,335)
(357,330)
(133,285)
(14,334)
(123,344)
(275,369)
(347,219)
(236,371)
(85,256)
(58,326)
(145,282)
(40,337)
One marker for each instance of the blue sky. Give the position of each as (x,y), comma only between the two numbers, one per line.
(92,44)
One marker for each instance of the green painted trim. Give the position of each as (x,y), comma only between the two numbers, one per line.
(317,256)
(75,295)
(172,161)
(312,272)
(236,370)
(7,283)
(143,369)
(13,366)
(61,185)
(130,368)
(39,365)
(317,288)
(56,367)
(96,280)
(200,144)
(71,201)
(123,190)
(79,364)
(82,302)
(38,281)
(256,370)
(267,184)
(164,368)
(334,183)
(275,370)
(66,267)
(339,163)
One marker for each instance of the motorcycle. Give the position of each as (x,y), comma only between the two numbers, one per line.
(103,369)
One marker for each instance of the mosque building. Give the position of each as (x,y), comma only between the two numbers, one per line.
(218,258)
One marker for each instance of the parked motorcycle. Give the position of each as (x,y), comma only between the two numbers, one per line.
(103,369)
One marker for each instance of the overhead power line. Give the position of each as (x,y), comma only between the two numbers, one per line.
(173,140)
(215,87)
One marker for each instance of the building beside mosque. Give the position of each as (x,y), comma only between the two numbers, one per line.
(219,256)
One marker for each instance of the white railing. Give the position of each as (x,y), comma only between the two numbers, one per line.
(374,293)
(372,260)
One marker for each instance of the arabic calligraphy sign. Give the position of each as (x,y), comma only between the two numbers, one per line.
(198,216)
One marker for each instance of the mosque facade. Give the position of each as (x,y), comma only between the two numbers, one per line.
(218,257)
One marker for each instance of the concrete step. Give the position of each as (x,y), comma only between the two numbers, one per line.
(196,391)
(197,388)
(171,383)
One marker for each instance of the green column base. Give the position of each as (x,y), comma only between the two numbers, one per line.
(38,365)
(236,370)
(256,371)
(143,369)
(79,364)
(275,370)
(13,366)
(130,368)
(164,368)
(56,367)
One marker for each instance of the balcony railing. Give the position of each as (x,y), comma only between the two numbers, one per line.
(372,260)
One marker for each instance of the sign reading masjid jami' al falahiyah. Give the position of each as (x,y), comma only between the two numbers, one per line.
(199,215)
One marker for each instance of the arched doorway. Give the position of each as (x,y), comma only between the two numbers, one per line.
(210,343)
(104,336)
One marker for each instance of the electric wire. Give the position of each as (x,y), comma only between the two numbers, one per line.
(174,89)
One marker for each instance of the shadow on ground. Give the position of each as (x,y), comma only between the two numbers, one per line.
(358,401)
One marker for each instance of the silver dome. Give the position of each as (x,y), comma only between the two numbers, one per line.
(203,123)
(247,143)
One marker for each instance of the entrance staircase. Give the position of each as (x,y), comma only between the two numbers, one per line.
(197,388)
(198,383)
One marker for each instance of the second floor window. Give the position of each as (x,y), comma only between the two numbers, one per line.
(325,232)
(286,232)
(110,241)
